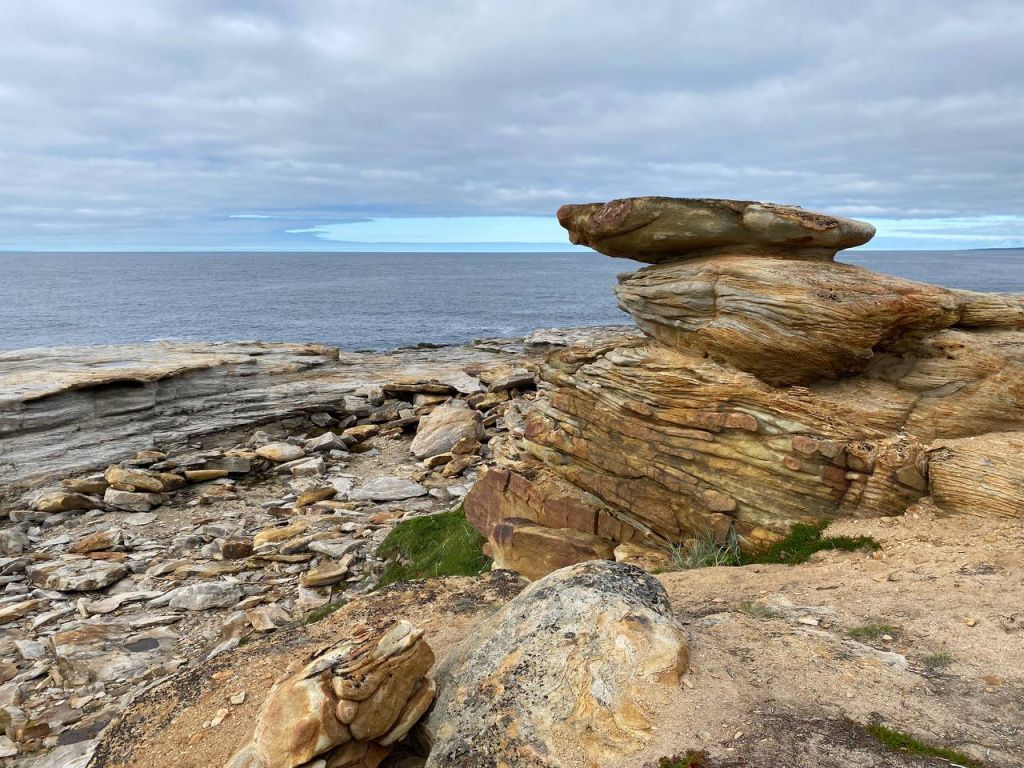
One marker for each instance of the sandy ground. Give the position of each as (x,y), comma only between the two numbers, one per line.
(776,678)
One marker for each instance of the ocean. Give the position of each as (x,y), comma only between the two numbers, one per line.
(360,300)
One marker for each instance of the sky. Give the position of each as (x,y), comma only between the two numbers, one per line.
(332,125)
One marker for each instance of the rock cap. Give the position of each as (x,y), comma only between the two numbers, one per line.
(661,229)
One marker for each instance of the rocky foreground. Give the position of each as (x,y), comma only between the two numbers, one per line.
(252,487)
(192,559)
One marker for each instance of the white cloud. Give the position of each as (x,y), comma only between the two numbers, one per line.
(155,122)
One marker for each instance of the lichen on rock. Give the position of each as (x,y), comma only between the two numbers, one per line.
(557,677)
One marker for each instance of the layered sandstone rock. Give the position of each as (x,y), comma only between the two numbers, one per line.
(772,386)
(350,702)
(661,229)
(559,676)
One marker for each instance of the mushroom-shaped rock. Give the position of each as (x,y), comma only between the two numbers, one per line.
(660,229)
(349,703)
(559,675)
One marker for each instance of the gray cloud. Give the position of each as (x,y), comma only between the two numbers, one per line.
(153,123)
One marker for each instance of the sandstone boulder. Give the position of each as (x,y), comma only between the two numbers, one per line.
(350,702)
(441,429)
(133,480)
(280,452)
(658,229)
(558,676)
(62,501)
(534,551)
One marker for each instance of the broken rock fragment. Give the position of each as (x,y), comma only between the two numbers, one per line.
(348,704)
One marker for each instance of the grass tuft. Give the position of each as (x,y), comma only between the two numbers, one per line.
(898,741)
(804,540)
(321,613)
(692,759)
(873,632)
(705,551)
(933,662)
(758,610)
(444,544)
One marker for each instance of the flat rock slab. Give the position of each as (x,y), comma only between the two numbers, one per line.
(75,574)
(659,229)
(206,595)
(388,489)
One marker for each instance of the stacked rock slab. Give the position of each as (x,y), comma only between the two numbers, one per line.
(772,385)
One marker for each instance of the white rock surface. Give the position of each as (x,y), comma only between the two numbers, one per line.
(388,489)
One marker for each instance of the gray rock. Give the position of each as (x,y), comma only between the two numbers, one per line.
(335,548)
(325,442)
(312,467)
(109,650)
(233,465)
(206,595)
(388,489)
(130,501)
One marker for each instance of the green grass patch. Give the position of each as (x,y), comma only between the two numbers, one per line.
(444,544)
(804,540)
(873,632)
(908,745)
(692,759)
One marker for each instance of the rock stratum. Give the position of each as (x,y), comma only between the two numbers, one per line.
(772,385)
(70,409)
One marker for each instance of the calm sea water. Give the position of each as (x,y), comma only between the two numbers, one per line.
(359,300)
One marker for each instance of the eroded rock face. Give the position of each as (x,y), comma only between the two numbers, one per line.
(660,229)
(350,702)
(773,387)
(604,631)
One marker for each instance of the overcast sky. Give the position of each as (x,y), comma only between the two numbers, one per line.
(320,125)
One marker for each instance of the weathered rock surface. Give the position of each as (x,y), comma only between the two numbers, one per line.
(441,429)
(774,386)
(658,229)
(534,550)
(351,701)
(242,548)
(558,676)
